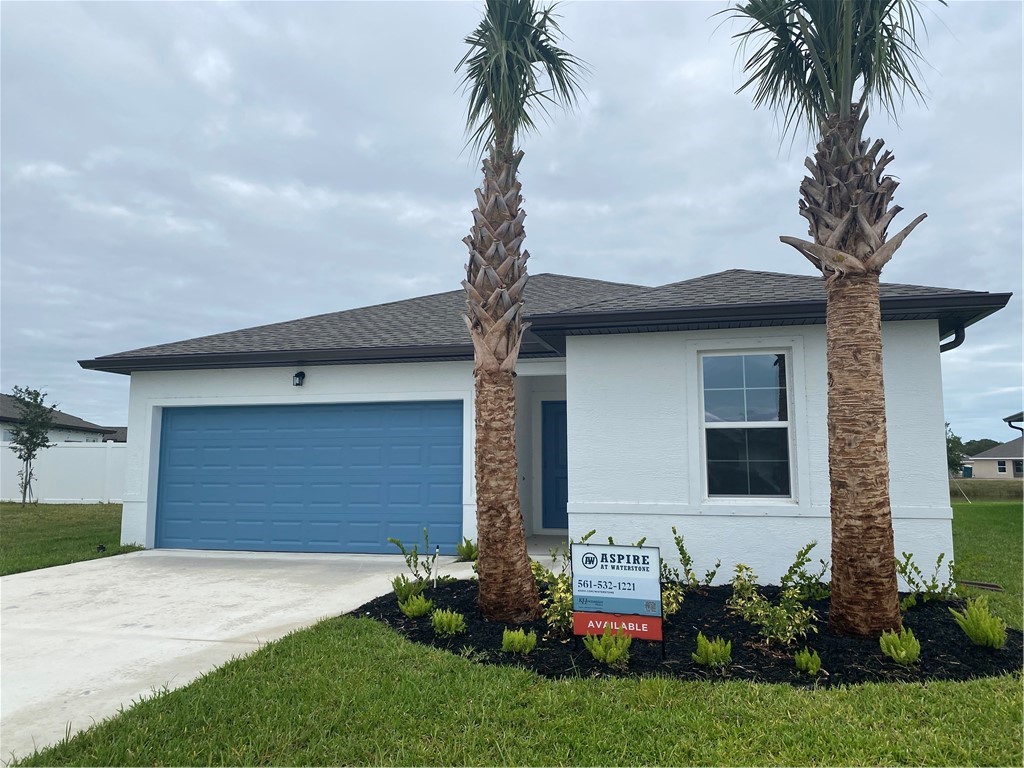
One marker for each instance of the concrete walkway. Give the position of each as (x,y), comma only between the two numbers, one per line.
(79,641)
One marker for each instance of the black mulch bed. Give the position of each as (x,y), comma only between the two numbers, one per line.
(946,652)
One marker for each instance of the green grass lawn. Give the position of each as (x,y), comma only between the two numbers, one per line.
(43,535)
(985,490)
(351,691)
(988,539)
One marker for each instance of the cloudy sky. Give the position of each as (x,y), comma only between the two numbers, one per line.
(171,170)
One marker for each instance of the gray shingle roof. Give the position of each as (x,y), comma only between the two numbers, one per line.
(431,327)
(1011,450)
(10,413)
(434,320)
(740,286)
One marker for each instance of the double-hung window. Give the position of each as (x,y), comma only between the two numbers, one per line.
(746,424)
(1001,467)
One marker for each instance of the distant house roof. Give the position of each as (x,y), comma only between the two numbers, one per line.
(9,413)
(432,328)
(115,434)
(1011,450)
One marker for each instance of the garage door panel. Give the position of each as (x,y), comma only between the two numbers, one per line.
(332,478)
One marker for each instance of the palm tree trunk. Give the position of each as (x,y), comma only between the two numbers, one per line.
(495,279)
(865,600)
(508,591)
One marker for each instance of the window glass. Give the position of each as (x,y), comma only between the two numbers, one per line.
(1000,466)
(746,425)
(723,372)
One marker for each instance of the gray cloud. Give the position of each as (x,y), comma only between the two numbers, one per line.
(177,169)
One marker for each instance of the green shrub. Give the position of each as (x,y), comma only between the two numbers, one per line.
(980,624)
(672,594)
(903,648)
(448,623)
(783,622)
(610,648)
(416,606)
(808,586)
(518,641)
(808,661)
(556,600)
(413,559)
(920,587)
(689,578)
(467,551)
(715,653)
(556,604)
(404,588)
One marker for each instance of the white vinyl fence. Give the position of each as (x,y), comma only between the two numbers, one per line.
(68,473)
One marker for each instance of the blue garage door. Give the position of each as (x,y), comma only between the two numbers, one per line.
(311,478)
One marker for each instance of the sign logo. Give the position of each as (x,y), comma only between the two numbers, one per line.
(589,560)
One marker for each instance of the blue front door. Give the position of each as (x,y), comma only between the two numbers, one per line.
(554,465)
(311,478)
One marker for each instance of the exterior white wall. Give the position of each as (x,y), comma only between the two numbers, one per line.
(61,435)
(152,391)
(68,473)
(635,465)
(73,436)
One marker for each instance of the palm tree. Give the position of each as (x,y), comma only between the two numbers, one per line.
(512,47)
(819,63)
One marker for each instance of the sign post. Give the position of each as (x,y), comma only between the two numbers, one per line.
(616,587)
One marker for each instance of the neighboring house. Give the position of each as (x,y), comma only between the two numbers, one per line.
(66,428)
(115,434)
(699,404)
(1003,462)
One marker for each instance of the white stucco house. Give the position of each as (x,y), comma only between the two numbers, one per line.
(699,404)
(66,428)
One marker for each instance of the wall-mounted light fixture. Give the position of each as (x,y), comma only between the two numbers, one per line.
(298,378)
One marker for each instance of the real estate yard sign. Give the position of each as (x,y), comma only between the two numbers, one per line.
(617,587)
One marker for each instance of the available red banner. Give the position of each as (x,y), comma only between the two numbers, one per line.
(640,627)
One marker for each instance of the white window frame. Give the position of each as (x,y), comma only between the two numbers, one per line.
(1001,466)
(792,348)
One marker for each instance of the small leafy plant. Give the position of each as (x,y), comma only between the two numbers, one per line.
(518,641)
(716,654)
(404,588)
(672,594)
(610,648)
(903,648)
(557,604)
(466,550)
(415,561)
(416,606)
(808,661)
(783,622)
(980,624)
(556,589)
(448,623)
(920,587)
(689,579)
(808,586)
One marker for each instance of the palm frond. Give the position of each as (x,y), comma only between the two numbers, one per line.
(513,46)
(808,59)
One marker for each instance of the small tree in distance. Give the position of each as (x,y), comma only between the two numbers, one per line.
(955,452)
(31,434)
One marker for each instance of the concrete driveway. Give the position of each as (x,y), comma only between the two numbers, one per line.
(79,641)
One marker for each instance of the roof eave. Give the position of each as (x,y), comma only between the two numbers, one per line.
(951,311)
(550,331)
